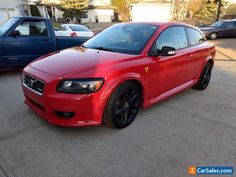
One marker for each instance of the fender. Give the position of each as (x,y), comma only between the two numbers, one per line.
(113,83)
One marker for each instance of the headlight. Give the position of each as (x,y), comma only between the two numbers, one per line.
(80,85)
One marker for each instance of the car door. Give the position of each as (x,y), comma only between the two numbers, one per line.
(29,40)
(227,29)
(169,72)
(198,52)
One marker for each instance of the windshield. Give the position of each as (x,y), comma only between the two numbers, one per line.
(123,38)
(217,24)
(7,25)
(79,28)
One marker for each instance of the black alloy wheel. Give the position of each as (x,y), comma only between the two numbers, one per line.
(204,78)
(123,106)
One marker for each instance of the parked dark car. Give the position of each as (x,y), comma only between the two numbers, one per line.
(224,28)
(23,39)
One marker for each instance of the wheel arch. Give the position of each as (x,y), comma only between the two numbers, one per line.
(131,77)
(211,61)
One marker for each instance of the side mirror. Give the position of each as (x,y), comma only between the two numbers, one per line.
(15,33)
(166,51)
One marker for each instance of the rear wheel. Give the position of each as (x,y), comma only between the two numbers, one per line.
(205,78)
(213,36)
(123,106)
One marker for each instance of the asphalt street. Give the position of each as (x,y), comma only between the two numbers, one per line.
(192,128)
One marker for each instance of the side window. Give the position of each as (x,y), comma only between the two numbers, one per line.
(228,25)
(32,28)
(235,24)
(195,36)
(62,28)
(172,37)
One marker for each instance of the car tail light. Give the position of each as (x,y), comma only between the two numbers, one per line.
(73,34)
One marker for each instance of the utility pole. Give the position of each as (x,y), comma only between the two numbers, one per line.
(218,11)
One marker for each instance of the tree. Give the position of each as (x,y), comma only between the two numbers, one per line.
(193,7)
(208,11)
(123,8)
(34,11)
(179,10)
(74,8)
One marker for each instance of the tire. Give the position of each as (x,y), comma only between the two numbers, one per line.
(213,36)
(122,106)
(205,78)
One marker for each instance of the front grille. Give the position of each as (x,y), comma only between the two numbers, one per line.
(33,84)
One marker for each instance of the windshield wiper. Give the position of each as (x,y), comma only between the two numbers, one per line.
(103,48)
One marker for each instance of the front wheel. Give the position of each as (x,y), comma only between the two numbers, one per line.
(213,36)
(123,106)
(205,78)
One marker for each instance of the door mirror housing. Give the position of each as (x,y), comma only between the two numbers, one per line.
(15,33)
(167,51)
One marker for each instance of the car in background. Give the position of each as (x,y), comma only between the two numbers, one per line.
(125,67)
(73,30)
(23,39)
(224,28)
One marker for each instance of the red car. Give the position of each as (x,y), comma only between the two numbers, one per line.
(126,67)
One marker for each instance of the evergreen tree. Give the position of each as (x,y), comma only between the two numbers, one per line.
(208,11)
(74,8)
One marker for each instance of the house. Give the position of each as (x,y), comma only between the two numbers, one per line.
(152,10)
(11,8)
(99,11)
(48,8)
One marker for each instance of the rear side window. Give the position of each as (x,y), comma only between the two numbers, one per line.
(32,28)
(234,24)
(195,37)
(62,28)
(227,25)
(172,37)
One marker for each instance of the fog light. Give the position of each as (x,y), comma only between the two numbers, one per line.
(66,115)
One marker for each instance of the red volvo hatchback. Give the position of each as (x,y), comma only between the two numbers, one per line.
(125,67)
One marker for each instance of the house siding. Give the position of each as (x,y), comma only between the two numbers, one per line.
(11,8)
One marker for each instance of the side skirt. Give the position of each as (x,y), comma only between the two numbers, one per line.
(169,93)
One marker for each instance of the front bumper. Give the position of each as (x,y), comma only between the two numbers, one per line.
(87,109)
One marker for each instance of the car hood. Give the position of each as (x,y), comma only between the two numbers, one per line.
(207,28)
(77,60)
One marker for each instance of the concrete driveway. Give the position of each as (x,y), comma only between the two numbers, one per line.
(192,128)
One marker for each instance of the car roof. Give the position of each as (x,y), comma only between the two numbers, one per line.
(73,25)
(228,20)
(163,24)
